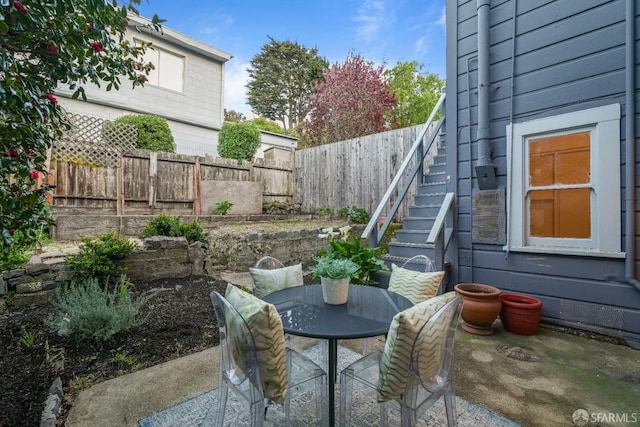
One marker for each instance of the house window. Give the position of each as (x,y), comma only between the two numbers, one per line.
(169,69)
(564,194)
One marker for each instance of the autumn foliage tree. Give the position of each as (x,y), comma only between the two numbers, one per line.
(353,100)
(44,44)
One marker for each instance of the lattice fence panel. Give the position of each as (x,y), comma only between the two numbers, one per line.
(93,141)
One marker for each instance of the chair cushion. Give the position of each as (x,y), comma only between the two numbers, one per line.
(414,285)
(267,281)
(266,327)
(396,356)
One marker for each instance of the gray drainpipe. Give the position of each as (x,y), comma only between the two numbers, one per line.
(630,156)
(485,170)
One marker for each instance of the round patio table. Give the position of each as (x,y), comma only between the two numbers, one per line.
(367,313)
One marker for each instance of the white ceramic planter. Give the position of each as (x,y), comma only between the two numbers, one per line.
(335,291)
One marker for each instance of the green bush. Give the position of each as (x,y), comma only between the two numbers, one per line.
(167,225)
(92,312)
(97,257)
(267,125)
(221,208)
(153,131)
(239,141)
(356,214)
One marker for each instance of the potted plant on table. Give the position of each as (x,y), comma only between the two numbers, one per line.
(334,274)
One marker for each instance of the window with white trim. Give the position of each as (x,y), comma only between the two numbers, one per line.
(169,69)
(564,191)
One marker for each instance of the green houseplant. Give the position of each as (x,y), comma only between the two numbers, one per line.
(368,259)
(334,274)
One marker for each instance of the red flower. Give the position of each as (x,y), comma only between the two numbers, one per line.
(12,230)
(34,174)
(20,7)
(12,153)
(30,152)
(51,98)
(97,47)
(142,80)
(52,50)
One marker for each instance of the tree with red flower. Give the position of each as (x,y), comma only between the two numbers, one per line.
(40,50)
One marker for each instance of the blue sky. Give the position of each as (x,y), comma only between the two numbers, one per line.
(379,30)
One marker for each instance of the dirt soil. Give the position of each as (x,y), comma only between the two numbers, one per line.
(179,321)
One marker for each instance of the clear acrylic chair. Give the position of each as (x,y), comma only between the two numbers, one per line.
(297,343)
(430,372)
(239,371)
(421,263)
(268,263)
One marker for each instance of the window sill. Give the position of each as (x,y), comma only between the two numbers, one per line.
(565,251)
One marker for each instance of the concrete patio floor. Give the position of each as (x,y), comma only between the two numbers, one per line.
(539,380)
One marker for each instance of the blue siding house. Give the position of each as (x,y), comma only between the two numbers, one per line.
(541,147)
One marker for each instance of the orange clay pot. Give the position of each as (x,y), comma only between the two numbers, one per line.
(480,308)
(520,314)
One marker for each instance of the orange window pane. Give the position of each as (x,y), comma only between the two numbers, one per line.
(562,213)
(560,159)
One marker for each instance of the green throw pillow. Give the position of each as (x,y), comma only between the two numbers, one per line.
(268,281)
(266,327)
(396,356)
(414,285)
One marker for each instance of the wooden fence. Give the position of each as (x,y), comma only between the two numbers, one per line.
(353,172)
(146,182)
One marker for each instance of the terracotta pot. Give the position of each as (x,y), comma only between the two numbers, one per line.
(520,314)
(480,308)
(335,291)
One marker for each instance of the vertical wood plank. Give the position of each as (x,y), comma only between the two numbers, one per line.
(197,201)
(153,174)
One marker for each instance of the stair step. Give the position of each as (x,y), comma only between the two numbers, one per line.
(408,250)
(412,236)
(424,210)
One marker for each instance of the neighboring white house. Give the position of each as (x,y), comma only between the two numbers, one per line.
(186,88)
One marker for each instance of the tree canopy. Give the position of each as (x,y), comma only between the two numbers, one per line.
(353,100)
(281,79)
(46,44)
(416,92)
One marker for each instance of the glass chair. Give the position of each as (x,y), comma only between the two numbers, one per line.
(240,372)
(423,375)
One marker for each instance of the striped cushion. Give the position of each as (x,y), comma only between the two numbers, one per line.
(405,327)
(414,285)
(267,281)
(266,327)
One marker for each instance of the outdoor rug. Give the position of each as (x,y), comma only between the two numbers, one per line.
(192,412)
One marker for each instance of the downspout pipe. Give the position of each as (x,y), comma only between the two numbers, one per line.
(630,154)
(485,170)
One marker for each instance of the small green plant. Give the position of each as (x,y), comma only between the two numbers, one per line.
(98,257)
(342,245)
(121,358)
(27,338)
(356,214)
(80,383)
(93,312)
(167,225)
(324,211)
(51,353)
(221,208)
(334,268)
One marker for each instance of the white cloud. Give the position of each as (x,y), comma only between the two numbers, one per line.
(373,17)
(442,21)
(236,78)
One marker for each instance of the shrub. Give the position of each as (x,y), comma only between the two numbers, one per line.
(153,131)
(98,257)
(167,225)
(356,214)
(221,208)
(238,141)
(92,312)
(268,125)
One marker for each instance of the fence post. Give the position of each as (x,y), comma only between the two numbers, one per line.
(120,196)
(197,201)
(153,177)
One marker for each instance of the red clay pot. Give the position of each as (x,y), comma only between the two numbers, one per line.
(520,314)
(480,308)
